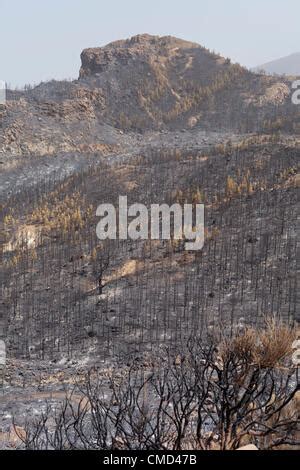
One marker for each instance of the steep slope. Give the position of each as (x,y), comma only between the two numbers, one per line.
(152,291)
(151,81)
(143,83)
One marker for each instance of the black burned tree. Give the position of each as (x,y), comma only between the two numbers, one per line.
(100,263)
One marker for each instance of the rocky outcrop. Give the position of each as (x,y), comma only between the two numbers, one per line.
(138,84)
(97,60)
(165,82)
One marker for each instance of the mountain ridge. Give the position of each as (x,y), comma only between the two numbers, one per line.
(288,65)
(144,83)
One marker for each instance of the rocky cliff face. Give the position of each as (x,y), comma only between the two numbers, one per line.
(143,83)
(122,53)
(42,122)
(164,82)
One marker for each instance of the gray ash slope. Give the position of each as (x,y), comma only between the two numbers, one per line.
(153,293)
(140,121)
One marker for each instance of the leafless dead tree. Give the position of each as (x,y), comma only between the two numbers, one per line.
(210,395)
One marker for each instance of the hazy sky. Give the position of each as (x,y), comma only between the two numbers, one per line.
(42,39)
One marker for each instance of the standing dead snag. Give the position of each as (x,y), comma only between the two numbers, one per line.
(2,361)
(100,263)
(207,398)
